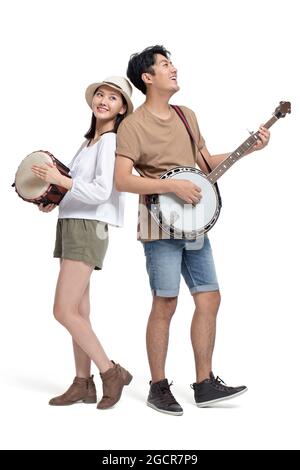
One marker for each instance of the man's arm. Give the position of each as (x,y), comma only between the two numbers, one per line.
(126,181)
(212,160)
(215,160)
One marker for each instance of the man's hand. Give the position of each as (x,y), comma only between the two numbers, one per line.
(187,191)
(264,137)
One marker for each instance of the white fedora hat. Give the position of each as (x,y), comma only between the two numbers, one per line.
(120,84)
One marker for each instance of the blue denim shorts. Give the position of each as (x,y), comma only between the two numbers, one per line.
(166,260)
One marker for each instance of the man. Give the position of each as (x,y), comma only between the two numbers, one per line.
(153,140)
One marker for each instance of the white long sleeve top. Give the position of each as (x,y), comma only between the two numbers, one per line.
(93,194)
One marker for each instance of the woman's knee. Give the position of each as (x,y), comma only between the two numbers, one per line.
(58,312)
(62,313)
(84,310)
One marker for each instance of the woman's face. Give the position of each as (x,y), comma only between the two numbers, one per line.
(107,103)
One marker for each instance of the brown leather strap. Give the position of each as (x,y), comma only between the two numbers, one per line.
(191,134)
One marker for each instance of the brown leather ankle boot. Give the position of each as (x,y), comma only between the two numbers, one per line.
(81,390)
(113,381)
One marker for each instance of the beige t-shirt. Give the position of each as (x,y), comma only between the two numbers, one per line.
(155,146)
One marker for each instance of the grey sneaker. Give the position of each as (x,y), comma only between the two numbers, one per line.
(160,398)
(213,390)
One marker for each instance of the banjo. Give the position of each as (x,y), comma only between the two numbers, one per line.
(190,221)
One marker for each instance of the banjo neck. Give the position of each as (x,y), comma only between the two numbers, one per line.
(190,221)
(240,152)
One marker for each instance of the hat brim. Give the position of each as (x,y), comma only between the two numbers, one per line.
(90,91)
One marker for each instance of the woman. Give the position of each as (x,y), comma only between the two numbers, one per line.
(90,204)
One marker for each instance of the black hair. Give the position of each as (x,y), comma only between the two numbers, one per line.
(143,62)
(119,118)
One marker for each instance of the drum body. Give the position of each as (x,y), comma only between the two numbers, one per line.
(31,188)
(182,220)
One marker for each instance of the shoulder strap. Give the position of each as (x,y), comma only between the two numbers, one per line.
(191,134)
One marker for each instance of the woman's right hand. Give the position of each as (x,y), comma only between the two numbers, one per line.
(188,191)
(47,208)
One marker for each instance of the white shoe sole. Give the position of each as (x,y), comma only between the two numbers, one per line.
(174,413)
(206,403)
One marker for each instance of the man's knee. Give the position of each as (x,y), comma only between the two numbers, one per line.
(216,296)
(164,306)
(208,299)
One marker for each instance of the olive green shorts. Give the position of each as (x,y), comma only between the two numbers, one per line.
(81,240)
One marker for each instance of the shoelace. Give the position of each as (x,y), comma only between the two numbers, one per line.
(167,394)
(216,381)
(166,388)
(220,381)
(221,385)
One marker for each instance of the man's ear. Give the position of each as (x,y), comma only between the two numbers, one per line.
(147,78)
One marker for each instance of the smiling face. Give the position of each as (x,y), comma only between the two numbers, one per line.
(107,103)
(164,77)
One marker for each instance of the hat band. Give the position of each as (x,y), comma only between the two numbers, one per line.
(111,83)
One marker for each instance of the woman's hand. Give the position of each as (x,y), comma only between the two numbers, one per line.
(47,208)
(48,173)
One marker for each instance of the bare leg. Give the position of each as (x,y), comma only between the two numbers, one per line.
(203,331)
(157,336)
(72,283)
(82,360)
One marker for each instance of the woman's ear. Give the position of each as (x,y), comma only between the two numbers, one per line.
(123,109)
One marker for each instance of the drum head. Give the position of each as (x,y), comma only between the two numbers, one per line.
(185,217)
(28,185)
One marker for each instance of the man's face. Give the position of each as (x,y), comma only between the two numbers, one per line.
(165,75)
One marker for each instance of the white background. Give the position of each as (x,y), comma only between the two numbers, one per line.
(236,60)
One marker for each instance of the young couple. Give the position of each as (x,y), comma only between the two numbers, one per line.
(151,140)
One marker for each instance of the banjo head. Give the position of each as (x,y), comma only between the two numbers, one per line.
(27,184)
(182,220)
